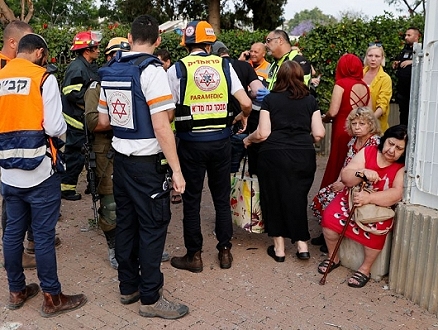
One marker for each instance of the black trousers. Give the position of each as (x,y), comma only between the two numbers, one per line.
(142,223)
(213,158)
(74,158)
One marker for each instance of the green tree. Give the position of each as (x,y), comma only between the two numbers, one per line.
(414,7)
(66,12)
(128,10)
(7,11)
(315,15)
(325,44)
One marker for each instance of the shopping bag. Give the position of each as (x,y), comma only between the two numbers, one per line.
(245,202)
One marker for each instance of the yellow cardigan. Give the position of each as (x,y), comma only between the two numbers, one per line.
(381,92)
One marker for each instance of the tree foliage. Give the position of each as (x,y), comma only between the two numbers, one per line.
(66,12)
(414,7)
(8,11)
(325,44)
(314,16)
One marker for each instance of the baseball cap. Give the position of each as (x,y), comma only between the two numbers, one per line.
(219,48)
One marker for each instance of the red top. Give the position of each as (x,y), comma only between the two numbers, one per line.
(340,137)
(337,211)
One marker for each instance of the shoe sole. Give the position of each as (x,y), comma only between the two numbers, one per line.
(43,314)
(193,270)
(144,314)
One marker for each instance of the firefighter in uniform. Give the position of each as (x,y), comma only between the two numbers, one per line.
(30,121)
(201,85)
(77,77)
(104,154)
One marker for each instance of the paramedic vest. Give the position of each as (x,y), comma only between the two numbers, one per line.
(273,70)
(205,84)
(23,143)
(127,106)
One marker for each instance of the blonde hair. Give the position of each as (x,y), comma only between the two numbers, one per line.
(366,114)
(365,62)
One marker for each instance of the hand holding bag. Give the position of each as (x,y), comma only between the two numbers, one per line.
(369,214)
(245,202)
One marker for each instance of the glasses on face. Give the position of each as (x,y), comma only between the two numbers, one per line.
(268,40)
(377,44)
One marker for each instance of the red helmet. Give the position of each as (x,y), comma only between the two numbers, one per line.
(86,39)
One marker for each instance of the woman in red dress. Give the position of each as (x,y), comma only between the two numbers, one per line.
(383,166)
(349,92)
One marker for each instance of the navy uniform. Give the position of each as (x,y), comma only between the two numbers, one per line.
(201,86)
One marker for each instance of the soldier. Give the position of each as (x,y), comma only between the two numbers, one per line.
(104,154)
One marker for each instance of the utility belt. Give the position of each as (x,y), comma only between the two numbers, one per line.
(161,164)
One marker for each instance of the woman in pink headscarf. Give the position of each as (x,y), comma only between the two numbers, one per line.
(349,92)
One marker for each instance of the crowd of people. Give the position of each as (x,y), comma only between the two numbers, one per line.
(159,128)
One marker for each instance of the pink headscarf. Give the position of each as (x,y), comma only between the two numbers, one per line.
(349,66)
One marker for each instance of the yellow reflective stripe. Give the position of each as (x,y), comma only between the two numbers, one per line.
(209,116)
(68,89)
(73,122)
(65,187)
(209,127)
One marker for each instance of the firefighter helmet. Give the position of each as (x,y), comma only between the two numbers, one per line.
(86,39)
(198,32)
(116,44)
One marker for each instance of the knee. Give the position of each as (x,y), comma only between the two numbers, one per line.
(330,234)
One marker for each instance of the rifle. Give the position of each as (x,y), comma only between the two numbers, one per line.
(90,165)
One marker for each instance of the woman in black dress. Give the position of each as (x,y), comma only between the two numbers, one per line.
(290,122)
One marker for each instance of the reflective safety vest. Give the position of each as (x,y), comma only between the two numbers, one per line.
(273,70)
(263,69)
(127,106)
(205,84)
(23,143)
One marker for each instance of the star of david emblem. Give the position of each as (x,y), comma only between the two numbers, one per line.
(207,78)
(119,105)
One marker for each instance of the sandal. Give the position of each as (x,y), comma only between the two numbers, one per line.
(325,264)
(176,199)
(360,278)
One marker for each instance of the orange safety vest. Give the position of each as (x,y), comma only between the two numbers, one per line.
(263,69)
(23,143)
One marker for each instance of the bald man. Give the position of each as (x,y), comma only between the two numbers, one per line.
(12,34)
(257,59)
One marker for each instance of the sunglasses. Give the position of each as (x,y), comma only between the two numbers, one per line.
(268,40)
(377,44)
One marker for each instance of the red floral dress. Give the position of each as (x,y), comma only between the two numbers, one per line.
(326,195)
(336,213)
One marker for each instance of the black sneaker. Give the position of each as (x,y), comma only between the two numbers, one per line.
(70,195)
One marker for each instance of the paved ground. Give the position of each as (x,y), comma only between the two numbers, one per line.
(256,293)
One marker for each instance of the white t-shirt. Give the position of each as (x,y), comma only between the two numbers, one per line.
(157,93)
